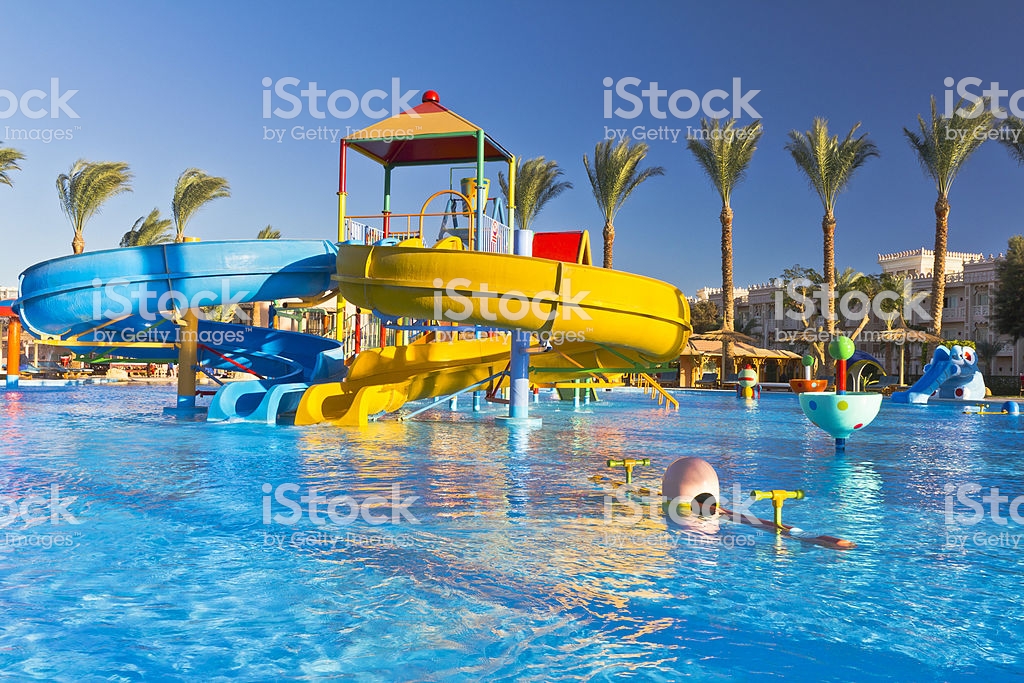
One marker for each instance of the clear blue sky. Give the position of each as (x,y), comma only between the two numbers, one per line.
(166,86)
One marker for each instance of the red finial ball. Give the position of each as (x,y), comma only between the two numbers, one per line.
(431,96)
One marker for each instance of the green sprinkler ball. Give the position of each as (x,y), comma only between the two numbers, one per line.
(807,360)
(841,348)
(747,377)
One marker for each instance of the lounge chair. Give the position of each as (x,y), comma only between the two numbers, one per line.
(709,380)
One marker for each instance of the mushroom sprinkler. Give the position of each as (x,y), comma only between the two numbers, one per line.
(840,413)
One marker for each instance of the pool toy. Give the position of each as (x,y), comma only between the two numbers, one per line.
(747,386)
(799,386)
(691,486)
(690,481)
(1008,408)
(953,373)
(629,464)
(840,413)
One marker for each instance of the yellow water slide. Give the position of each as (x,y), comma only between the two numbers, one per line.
(593,317)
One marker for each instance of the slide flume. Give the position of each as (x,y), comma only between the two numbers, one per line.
(103,298)
(594,318)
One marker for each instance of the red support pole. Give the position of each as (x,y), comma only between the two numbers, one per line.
(840,376)
(13,352)
(359,331)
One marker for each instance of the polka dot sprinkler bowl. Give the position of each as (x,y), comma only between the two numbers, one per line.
(840,415)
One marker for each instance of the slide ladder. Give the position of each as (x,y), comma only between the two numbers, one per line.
(652,388)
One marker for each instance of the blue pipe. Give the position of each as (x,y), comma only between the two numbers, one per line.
(519,364)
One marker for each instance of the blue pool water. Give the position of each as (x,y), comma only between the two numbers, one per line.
(507,565)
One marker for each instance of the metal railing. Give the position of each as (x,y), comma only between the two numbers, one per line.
(498,238)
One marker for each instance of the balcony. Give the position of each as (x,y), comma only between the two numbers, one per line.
(954,314)
(980,312)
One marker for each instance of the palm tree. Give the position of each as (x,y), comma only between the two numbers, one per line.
(194,189)
(148,230)
(9,158)
(1013,138)
(536,184)
(269,233)
(987,350)
(724,153)
(829,165)
(84,189)
(614,175)
(943,145)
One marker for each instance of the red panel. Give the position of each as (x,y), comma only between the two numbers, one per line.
(6,312)
(557,246)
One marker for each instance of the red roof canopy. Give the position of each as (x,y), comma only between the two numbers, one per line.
(428,134)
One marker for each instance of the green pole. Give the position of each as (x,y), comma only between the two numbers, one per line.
(479,190)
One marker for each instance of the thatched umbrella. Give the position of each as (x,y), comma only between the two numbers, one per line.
(725,337)
(903,336)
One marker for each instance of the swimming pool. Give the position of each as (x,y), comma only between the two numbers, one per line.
(507,564)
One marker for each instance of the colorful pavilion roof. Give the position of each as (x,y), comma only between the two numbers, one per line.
(428,134)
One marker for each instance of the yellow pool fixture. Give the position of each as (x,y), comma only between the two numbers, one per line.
(778,498)
(629,464)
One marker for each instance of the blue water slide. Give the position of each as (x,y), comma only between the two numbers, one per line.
(74,294)
(129,295)
(937,372)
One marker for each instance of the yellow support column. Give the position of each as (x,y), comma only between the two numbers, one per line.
(188,355)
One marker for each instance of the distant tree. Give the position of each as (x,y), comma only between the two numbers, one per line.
(614,176)
(749,325)
(723,152)
(147,230)
(536,184)
(1008,313)
(987,352)
(943,144)
(704,316)
(194,189)
(269,233)
(829,164)
(85,188)
(9,158)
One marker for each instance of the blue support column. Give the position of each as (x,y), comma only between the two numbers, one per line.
(519,370)
(519,364)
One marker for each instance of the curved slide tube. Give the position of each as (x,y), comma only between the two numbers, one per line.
(613,319)
(123,289)
(938,372)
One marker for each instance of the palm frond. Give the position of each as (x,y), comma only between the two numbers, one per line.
(536,184)
(724,152)
(194,189)
(87,186)
(827,162)
(943,144)
(615,173)
(1012,138)
(149,230)
(269,233)
(9,158)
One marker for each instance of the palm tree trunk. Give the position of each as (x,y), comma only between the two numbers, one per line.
(727,305)
(828,227)
(78,244)
(609,241)
(939,267)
